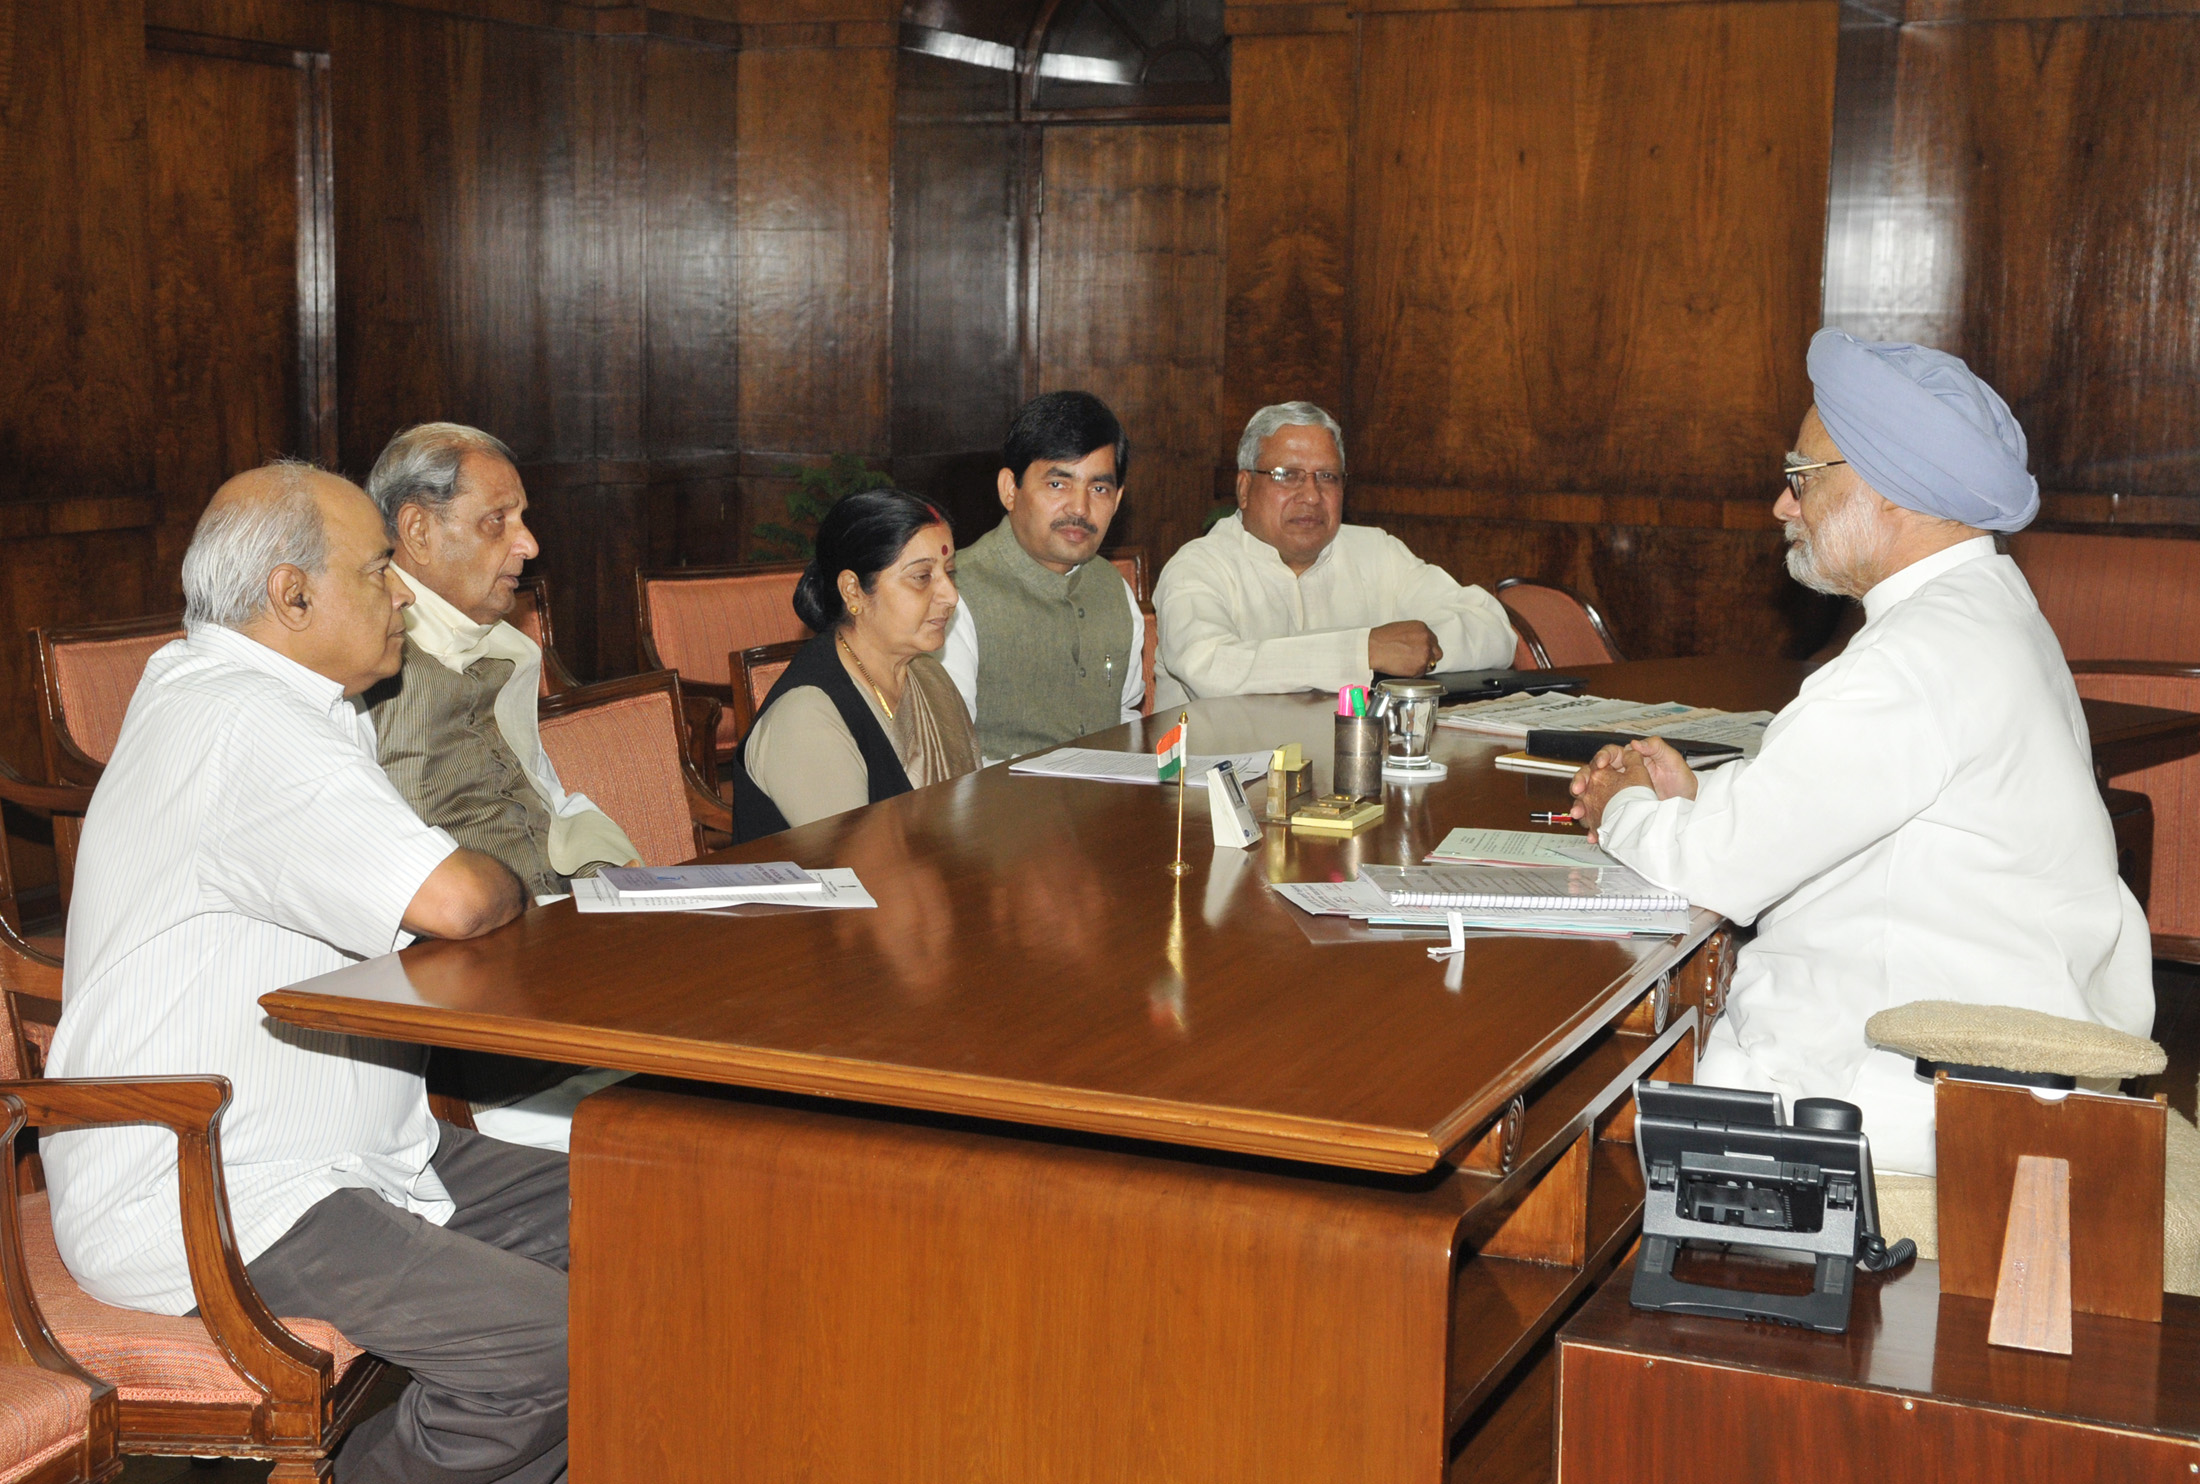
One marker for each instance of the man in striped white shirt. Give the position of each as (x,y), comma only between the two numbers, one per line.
(244,838)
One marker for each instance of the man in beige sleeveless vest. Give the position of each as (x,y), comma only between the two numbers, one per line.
(1048,642)
(456,726)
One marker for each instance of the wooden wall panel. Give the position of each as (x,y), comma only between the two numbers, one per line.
(1597,231)
(2040,212)
(1131,305)
(223,200)
(1290,218)
(813,249)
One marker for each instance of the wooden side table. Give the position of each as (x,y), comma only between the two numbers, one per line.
(1912,1391)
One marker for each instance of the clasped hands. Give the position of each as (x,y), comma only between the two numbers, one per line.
(1649,762)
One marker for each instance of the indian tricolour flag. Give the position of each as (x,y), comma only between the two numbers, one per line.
(1169,752)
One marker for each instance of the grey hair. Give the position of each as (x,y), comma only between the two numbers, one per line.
(420,467)
(1285,415)
(237,545)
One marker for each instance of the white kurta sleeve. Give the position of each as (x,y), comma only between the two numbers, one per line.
(959,656)
(1851,760)
(1203,645)
(1470,624)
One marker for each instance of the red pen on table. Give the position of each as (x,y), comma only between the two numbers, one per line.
(1539,817)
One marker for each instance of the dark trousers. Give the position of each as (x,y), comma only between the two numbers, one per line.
(474,1309)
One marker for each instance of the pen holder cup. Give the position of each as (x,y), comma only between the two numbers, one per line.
(1358,767)
(1288,791)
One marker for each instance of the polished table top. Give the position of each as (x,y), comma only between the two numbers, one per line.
(1031,960)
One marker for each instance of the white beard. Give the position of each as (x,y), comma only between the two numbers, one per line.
(1830,561)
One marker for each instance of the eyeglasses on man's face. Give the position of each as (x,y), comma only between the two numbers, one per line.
(1328,481)
(1797,468)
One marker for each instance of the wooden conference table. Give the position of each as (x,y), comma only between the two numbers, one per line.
(1055,1167)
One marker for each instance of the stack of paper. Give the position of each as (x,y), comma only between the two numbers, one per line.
(1135,767)
(1513,717)
(775,886)
(1360,900)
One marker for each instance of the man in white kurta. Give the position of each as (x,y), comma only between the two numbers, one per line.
(1283,596)
(1922,822)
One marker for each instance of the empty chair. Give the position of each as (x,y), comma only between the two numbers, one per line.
(624,743)
(531,616)
(1555,627)
(296,1385)
(2127,614)
(693,618)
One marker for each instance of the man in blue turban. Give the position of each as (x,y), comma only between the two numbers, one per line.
(1922,822)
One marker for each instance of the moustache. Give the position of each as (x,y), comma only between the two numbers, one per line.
(1076,523)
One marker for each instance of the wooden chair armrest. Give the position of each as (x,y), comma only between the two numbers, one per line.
(272,1359)
(554,672)
(705,807)
(47,798)
(2175,669)
(721,693)
(703,713)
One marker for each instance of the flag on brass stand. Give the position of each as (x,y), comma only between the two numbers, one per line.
(1170,754)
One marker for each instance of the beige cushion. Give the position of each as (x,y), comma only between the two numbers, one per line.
(1909,1207)
(2018,1040)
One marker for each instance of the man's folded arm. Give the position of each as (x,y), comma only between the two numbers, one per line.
(1845,768)
(1471,625)
(1200,645)
(467,895)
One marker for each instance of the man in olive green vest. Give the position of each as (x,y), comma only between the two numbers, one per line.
(1048,642)
(456,727)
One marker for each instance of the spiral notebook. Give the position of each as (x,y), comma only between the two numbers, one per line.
(1522,888)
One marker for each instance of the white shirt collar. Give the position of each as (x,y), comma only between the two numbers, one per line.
(1256,546)
(217,642)
(1902,584)
(437,625)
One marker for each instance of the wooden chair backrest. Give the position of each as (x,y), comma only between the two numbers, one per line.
(531,616)
(30,987)
(1131,562)
(693,618)
(755,671)
(2116,1149)
(2115,597)
(2173,787)
(88,674)
(1557,628)
(624,744)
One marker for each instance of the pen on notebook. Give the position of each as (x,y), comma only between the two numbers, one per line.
(1539,817)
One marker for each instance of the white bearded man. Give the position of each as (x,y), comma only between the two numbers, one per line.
(1922,822)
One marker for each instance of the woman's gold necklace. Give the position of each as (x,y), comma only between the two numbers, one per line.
(867,680)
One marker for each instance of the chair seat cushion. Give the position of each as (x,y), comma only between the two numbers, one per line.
(2016,1040)
(41,1414)
(145,1357)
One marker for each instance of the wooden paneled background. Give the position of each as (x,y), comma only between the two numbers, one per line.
(1554,265)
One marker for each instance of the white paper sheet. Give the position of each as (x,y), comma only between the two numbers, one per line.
(1516,848)
(1096,766)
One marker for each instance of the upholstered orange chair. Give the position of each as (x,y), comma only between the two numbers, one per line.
(87,675)
(62,802)
(58,1422)
(531,616)
(2115,597)
(624,743)
(693,618)
(2127,613)
(1555,627)
(235,1381)
(755,671)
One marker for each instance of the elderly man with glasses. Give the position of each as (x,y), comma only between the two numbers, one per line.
(1282,596)
(1922,821)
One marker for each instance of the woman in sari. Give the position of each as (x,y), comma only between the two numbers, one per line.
(865,711)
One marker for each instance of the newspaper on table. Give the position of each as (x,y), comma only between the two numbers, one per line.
(1513,717)
(1098,766)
